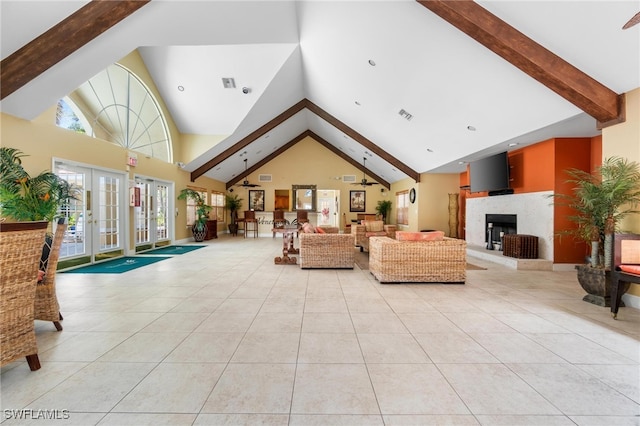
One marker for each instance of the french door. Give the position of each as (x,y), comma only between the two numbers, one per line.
(152,207)
(96,219)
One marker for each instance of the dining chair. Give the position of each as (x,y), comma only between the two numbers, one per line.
(250,223)
(20,251)
(47,307)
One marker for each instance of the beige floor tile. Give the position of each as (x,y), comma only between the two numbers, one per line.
(86,346)
(478,322)
(605,420)
(253,388)
(327,323)
(415,389)
(494,389)
(198,304)
(410,306)
(329,348)
(333,389)
(574,391)
(515,348)
(267,348)
(277,322)
(430,420)
(242,419)
(147,419)
(172,388)
(391,348)
(325,304)
(96,388)
(206,347)
(176,322)
(433,322)
(283,304)
(579,350)
(378,323)
(221,322)
(453,347)
(368,305)
(144,347)
(623,378)
(335,420)
(526,420)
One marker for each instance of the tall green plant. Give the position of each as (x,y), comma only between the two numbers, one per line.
(24,198)
(383,208)
(600,200)
(233,203)
(202,208)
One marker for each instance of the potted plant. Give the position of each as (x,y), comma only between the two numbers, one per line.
(27,198)
(199,227)
(233,203)
(600,200)
(383,208)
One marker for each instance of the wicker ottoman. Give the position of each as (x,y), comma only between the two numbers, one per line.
(520,246)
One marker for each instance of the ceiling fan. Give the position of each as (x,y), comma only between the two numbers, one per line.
(633,21)
(364,181)
(245,183)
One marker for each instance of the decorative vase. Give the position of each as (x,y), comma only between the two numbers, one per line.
(199,233)
(597,283)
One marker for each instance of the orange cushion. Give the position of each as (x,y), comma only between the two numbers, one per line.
(375,234)
(631,269)
(419,236)
(319,230)
(373,225)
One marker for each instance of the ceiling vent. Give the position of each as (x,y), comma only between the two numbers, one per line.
(405,114)
(264,178)
(228,83)
(348,178)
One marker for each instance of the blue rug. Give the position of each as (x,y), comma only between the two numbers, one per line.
(117,266)
(173,250)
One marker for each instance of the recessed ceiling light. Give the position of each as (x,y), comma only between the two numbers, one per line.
(471,128)
(372,62)
(462,162)
(181,88)
(513,144)
(358,103)
(429,150)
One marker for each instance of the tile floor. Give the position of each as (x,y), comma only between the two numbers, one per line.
(221,335)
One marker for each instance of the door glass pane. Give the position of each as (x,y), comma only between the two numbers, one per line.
(162,212)
(109,208)
(74,242)
(143,213)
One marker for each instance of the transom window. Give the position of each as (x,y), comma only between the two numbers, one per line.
(118,108)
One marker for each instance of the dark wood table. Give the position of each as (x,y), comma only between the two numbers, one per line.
(287,245)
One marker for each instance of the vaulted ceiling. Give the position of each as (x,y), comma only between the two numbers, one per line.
(412,86)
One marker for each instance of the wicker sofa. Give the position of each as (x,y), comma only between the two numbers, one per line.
(326,251)
(371,228)
(393,261)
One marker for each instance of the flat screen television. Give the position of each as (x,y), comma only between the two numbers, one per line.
(490,173)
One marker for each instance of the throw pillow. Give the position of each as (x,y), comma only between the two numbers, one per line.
(373,225)
(419,236)
(631,269)
(308,228)
(319,230)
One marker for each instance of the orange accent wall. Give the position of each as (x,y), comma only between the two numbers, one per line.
(540,167)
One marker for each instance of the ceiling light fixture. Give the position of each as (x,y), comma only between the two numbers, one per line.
(181,88)
(429,150)
(513,144)
(471,128)
(372,62)
(358,103)
(228,83)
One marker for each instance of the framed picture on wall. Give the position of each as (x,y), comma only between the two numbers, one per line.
(357,201)
(256,200)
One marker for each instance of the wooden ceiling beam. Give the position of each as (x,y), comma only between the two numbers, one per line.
(363,141)
(61,40)
(265,128)
(586,93)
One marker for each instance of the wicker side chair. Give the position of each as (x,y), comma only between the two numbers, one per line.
(47,307)
(20,250)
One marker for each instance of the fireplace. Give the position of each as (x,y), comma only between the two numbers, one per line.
(497,225)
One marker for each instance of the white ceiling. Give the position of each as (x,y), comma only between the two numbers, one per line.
(286,51)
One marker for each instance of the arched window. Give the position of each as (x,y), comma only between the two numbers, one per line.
(121,109)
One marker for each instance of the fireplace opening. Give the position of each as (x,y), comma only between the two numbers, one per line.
(498,225)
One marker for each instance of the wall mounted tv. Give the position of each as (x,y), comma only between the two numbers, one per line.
(490,174)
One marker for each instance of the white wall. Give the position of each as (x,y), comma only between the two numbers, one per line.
(535,217)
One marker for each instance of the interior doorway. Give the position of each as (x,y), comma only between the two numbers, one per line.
(328,201)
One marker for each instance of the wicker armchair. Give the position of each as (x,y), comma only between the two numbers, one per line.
(418,261)
(362,235)
(47,307)
(20,250)
(326,251)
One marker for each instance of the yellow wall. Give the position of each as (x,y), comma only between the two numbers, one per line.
(623,140)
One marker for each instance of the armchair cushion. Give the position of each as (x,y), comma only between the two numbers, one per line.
(419,236)
(631,269)
(373,225)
